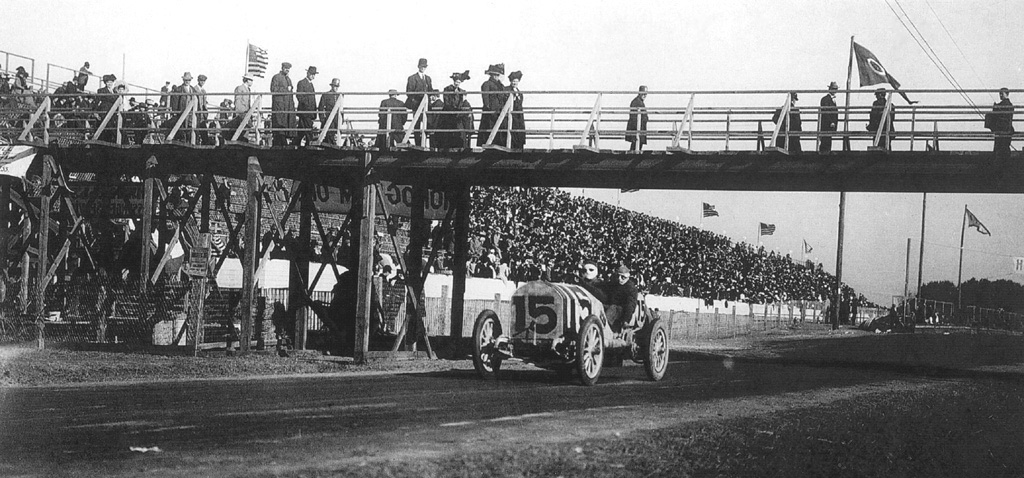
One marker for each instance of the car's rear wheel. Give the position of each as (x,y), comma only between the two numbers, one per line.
(486,331)
(590,350)
(656,356)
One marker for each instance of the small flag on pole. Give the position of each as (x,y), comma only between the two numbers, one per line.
(257,63)
(807,247)
(972,221)
(767,229)
(709,210)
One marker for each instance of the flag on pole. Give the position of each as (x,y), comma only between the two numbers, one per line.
(709,210)
(767,229)
(972,221)
(807,247)
(872,72)
(257,61)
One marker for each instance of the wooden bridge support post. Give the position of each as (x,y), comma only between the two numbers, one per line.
(43,259)
(251,240)
(461,256)
(365,275)
(419,229)
(147,224)
(299,275)
(5,223)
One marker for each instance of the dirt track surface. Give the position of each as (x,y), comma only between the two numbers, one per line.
(852,405)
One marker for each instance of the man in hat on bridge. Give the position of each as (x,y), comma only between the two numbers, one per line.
(327,102)
(789,138)
(105,99)
(180,97)
(418,81)
(392,109)
(306,95)
(828,121)
(1000,121)
(636,126)
(494,97)
(876,116)
(283,120)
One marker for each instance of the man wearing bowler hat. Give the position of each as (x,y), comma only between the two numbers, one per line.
(392,108)
(828,121)
(636,125)
(283,120)
(418,81)
(306,95)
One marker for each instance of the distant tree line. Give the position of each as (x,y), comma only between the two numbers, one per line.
(1000,294)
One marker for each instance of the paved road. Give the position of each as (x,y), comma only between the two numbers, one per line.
(282,423)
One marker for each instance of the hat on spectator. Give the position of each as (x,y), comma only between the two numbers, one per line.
(643,88)
(833,86)
(422,63)
(463,76)
(622,271)
(311,70)
(515,75)
(498,69)
(1004,90)
(187,76)
(335,81)
(880,90)
(285,65)
(392,92)
(107,78)
(202,77)
(246,78)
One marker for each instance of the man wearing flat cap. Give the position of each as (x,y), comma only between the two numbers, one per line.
(392,118)
(327,102)
(418,81)
(306,95)
(622,294)
(283,120)
(636,125)
(494,98)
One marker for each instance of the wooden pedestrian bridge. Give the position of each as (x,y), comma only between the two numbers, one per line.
(719,140)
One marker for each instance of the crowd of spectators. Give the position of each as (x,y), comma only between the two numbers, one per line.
(548,233)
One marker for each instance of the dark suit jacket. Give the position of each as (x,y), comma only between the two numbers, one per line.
(398,114)
(180,101)
(306,95)
(414,83)
(829,114)
(637,111)
(493,102)
(1000,120)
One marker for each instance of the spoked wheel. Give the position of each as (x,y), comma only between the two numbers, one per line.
(486,331)
(656,360)
(590,350)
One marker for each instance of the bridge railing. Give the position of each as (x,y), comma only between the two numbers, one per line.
(676,121)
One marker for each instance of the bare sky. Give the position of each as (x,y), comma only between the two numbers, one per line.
(607,45)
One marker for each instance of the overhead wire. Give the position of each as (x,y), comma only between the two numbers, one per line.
(957,45)
(938,64)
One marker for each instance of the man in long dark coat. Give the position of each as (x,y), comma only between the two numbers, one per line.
(306,95)
(494,97)
(829,121)
(875,118)
(418,81)
(1000,121)
(636,134)
(394,109)
(283,119)
(327,102)
(794,126)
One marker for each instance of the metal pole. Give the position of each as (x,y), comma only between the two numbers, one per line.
(846,112)
(920,257)
(906,280)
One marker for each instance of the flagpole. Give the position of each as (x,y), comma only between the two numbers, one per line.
(920,257)
(839,260)
(959,273)
(701,216)
(846,112)
(245,65)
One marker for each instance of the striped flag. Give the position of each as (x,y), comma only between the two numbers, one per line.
(709,210)
(767,229)
(257,61)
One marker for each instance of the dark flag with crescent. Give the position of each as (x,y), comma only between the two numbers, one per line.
(872,72)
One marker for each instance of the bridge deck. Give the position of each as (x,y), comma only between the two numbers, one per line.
(853,171)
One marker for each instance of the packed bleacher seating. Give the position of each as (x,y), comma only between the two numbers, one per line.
(545,232)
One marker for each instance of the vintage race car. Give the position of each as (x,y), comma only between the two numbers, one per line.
(564,327)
